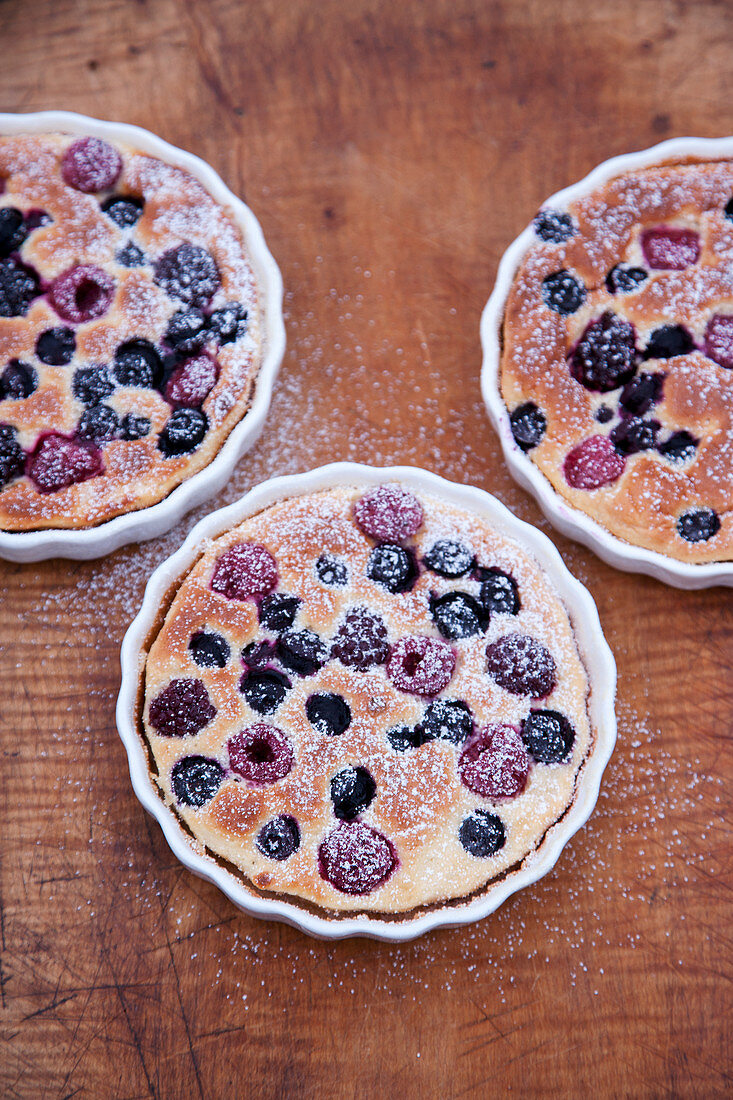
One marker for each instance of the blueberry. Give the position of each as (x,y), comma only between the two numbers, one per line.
(91,385)
(279,837)
(622,280)
(562,292)
(134,427)
(35,218)
(19,285)
(393,567)
(447,719)
(329,713)
(448,558)
(301,651)
(264,689)
(499,592)
(12,458)
(698,525)
(458,615)
(56,346)
(638,395)
(402,738)
(603,414)
(553,226)
(679,447)
(548,736)
(131,256)
(183,432)
(124,210)
(138,363)
(229,323)
(189,273)
(258,653)
(482,834)
(667,341)
(186,331)
(728,209)
(352,792)
(18,380)
(332,571)
(209,650)
(634,434)
(605,356)
(278,611)
(528,424)
(12,230)
(195,780)
(98,424)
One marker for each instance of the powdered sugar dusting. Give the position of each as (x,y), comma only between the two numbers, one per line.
(117,281)
(304,659)
(667,226)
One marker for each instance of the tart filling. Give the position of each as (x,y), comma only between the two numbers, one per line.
(366,701)
(130,330)
(617,360)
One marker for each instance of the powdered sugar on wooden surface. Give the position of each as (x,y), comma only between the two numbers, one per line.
(583,905)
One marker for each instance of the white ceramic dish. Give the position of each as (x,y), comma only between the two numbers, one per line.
(570,521)
(594,650)
(150,522)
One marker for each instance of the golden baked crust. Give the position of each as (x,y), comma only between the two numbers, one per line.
(651,249)
(423,789)
(131,294)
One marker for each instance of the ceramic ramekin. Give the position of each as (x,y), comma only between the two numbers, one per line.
(150,522)
(573,523)
(594,650)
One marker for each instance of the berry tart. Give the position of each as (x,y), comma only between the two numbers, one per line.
(132,327)
(616,353)
(365,699)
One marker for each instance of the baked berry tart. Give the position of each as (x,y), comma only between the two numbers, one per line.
(615,351)
(365,698)
(133,322)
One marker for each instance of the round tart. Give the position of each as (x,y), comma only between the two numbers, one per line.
(617,355)
(131,329)
(366,699)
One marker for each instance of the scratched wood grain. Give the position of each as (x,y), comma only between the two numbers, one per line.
(391,152)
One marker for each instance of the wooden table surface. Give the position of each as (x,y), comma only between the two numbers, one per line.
(391,152)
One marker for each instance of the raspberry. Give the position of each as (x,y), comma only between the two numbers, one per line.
(82,293)
(355,858)
(421,666)
(90,164)
(593,463)
(262,754)
(388,513)
(246,570)
(495,763)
